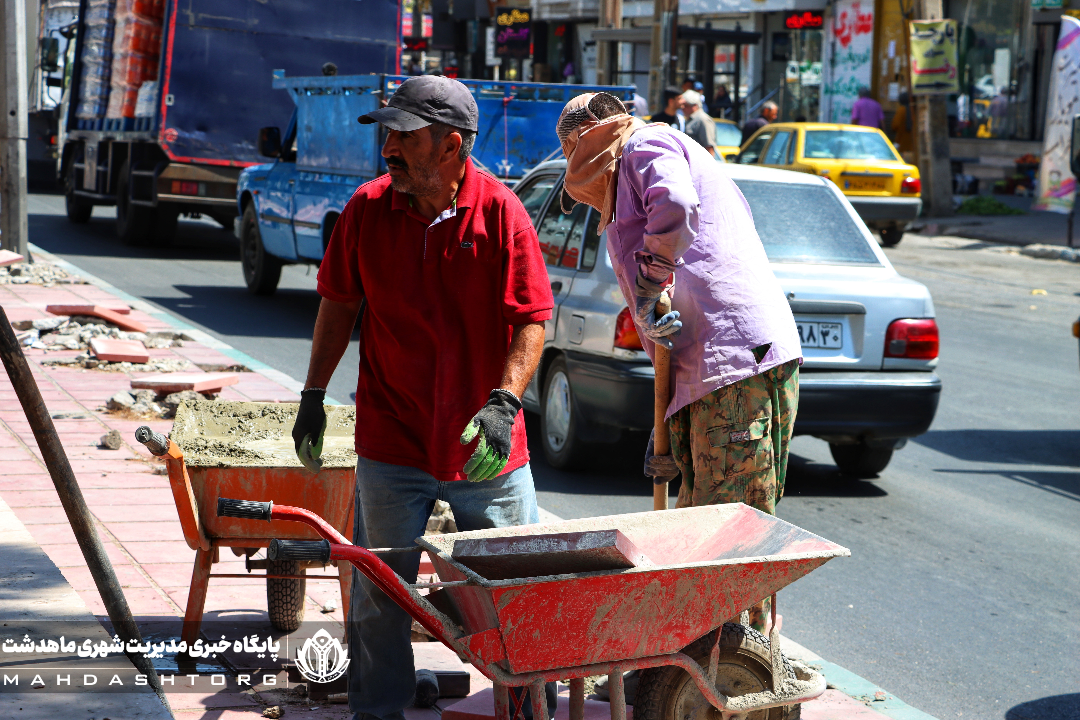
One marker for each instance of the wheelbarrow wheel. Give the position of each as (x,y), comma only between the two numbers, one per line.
(668,693)
(285,598)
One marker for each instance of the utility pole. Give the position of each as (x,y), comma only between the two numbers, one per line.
(662,57)
(932,133)
(610,18)
(13,126)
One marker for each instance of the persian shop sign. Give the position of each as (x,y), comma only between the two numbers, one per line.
(513,32)
(934,57)
(806,20)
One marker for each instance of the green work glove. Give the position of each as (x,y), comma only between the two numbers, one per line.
(493,425)
(309,428)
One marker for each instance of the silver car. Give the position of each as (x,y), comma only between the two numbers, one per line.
(869,337)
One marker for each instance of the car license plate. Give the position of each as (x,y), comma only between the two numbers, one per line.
(827,335)
(865,184)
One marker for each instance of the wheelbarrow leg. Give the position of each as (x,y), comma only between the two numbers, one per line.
(200,581)
(577,699)
(617,692)
(539,700)
(502,702)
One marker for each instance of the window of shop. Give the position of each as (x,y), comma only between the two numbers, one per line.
(998,71)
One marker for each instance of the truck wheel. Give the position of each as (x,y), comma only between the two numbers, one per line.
(262,271)
(285,598)
(860,460)
(668,693)
(558,419)
(890,237)
(78,209)
(133,222)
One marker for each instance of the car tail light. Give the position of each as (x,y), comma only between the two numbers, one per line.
(626,336)
(912,338)
(911,186)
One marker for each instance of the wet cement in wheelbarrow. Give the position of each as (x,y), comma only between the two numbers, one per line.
(252,434)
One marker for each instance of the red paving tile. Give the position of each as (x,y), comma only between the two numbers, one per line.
(52,534)
(178,575)
(221,598)
(21,467)
(145,513)
(161,551)
(197,701)
(145,531)
(25,482)
(70,555)
(142,601)
(47,515)
(128,575)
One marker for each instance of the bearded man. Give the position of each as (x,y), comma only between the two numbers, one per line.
(676,222)
(445,263)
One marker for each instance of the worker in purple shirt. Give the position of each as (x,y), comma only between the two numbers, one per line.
(675,221)
(867,111)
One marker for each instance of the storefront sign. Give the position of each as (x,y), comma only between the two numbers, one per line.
(1057,185)
(513,32)
(805,20)
(934,63)
(848,58)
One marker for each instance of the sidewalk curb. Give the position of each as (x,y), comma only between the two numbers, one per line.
(863,690)
(200,336)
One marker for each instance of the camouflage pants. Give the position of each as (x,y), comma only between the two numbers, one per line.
(732,446)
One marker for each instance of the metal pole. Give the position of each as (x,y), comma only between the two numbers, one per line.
(1072,217)
(71,498)
(13,126)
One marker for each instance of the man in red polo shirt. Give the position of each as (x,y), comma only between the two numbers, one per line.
(444,263)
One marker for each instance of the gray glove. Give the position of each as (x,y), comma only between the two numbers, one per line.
(661,468)
(654,328)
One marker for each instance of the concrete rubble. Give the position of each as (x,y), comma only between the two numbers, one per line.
(45,274)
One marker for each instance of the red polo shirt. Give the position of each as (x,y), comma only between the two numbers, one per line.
(443,298)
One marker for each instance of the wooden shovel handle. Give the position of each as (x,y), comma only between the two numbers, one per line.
(662,397)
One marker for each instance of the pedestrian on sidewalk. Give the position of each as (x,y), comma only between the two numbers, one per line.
(672,112)
(769,111)
(675,221)
(699,125)
(867,111)
(444,265)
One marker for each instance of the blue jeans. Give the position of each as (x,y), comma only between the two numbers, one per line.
(393,503)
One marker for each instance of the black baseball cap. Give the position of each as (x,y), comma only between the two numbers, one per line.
(425,99)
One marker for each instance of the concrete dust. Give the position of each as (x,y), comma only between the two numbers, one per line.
(251,434)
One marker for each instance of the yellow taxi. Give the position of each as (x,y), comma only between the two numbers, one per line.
(728,139)
(883,189)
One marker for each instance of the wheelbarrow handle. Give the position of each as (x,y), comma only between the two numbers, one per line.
(318,550)
(249,509)
(156,443)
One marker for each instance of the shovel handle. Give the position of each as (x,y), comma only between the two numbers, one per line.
(662,397)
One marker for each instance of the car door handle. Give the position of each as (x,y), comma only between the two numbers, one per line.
(556,286)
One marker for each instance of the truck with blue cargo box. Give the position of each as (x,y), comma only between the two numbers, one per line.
(288,208)
(166,97)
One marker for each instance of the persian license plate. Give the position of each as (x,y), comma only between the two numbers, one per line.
(864,184)
(827,335)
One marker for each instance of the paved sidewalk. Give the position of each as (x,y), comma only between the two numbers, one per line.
(137,520)
(1034,227)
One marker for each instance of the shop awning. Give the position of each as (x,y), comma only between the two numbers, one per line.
(686,32)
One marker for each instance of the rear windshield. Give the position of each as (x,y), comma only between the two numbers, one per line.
(847,145)
(728,135)
(805,223)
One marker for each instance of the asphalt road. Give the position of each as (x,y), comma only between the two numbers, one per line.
(960,593)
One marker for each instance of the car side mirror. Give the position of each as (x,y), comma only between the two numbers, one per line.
(269,144)
(1074,149)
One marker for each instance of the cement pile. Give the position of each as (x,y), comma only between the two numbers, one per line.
(248,434)
(37,273)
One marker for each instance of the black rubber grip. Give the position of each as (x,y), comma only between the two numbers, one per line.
(249,509)
(299,550)
(154,442)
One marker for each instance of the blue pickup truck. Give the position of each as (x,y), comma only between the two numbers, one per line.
(287,208)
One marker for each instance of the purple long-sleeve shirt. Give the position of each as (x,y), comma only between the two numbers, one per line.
(677,210)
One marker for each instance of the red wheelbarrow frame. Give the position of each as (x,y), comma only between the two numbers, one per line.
(807,685)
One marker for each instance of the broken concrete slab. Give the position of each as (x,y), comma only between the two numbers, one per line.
(168,383)
(114,316)
(9,258)
(111,350)
(505,558)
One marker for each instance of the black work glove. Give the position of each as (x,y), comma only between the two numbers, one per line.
(308,430)
(661,468)
(493,424)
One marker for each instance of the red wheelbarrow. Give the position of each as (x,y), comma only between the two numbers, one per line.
(600,596)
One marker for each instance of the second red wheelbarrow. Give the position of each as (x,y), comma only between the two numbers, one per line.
(600,596)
